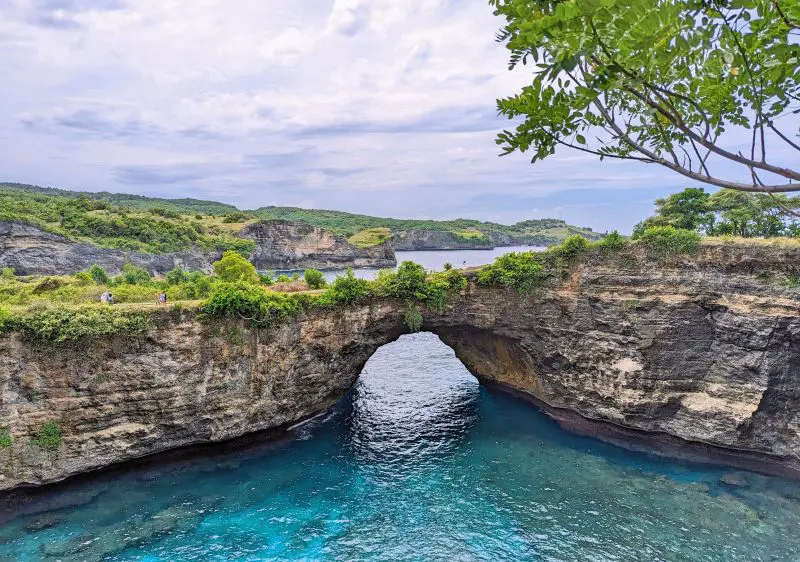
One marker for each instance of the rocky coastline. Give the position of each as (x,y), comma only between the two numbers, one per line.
(695,356)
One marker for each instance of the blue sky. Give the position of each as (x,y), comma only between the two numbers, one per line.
(384,107)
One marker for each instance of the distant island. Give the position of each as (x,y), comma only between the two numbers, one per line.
(46,230)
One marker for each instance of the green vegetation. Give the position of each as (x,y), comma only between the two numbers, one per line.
(49,437)
(665,82)
(667,240)
(74,324)
(314,279)
(233,267)
(5,438)
(254,303)
(524,271)
(137,202)
(368,230)
(727,212)
(97,221)
(370,237)
(131,222)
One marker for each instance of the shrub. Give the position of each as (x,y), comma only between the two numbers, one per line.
(251,302)
(166,213)
(176,276)
(413,318)
(668,240)
(49,437)
(266,279)
(569,250)
(296,276)
(233,267)
(61,324)
(237,216)
(409,281)
(5,318)
(134,275)
(83,278)
(447,266)
(98,275)
(314,278)
(5,438)
(611,242)
(47,285)
(519,270)
(346,289)
(440,287)
(7,273)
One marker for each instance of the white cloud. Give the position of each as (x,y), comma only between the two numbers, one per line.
(383,106)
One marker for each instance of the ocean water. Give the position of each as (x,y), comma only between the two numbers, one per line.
(434,260)
(418,463)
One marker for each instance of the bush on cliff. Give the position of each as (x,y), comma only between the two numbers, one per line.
(314,278)
(346,289)
(62,324)
(5,438)
(667,240)
(49,437)
(520,270)
(233,267)
(253,303)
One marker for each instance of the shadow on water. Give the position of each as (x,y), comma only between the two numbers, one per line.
(418,462)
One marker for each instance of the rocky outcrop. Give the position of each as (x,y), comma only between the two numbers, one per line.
(438,240)
(279,245)
(31,251)
(288,245)
(697,357)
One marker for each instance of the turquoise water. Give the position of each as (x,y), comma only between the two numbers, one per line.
(419,463)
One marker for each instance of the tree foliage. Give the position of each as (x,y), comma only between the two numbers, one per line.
(233,267)
(659,81)
(726,212)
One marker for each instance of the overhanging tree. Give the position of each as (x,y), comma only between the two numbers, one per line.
(661,82)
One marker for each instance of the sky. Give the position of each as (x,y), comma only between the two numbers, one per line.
(385,107)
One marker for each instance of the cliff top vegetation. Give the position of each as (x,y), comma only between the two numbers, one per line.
(134,222)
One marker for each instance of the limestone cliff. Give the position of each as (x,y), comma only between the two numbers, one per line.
(696,356)
(31,251)
(279,245)
(287,245)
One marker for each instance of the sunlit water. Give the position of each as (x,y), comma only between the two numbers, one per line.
(419,463)
(434,260)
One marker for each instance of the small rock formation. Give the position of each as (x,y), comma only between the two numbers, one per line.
(697,357)
(735,479)
(287,245)
(31,251)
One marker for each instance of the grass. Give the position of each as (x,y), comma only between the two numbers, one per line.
(370,237)
(779,241)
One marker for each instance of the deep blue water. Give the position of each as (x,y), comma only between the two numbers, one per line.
(419,463)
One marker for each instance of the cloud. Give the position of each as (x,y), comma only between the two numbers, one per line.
(377,106)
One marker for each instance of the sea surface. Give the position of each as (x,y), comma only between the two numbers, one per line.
(434,260)
(419,462)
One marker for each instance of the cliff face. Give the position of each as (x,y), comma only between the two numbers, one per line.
(279,245)
(698,356)
(287,245)
(437,240)
(31,251)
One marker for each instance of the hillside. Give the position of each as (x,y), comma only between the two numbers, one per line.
(158,225)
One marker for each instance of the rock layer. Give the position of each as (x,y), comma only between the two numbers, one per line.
(279,245)
(287,245)
(31,251)
(698,355)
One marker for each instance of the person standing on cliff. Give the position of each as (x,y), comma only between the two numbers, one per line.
(162,298)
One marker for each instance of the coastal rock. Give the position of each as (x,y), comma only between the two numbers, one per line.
(696,357)
(287,245)
(438,240)
(31,251)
